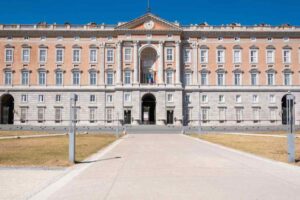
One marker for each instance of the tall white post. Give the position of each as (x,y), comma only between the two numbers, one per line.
(161,63)
(195,63)
(119,63)
(72,129)
(177,49)
(102,64)
(136,62)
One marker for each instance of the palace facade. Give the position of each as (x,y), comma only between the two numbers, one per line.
(149,71)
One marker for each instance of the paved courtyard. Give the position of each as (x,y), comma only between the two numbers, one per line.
(173,166)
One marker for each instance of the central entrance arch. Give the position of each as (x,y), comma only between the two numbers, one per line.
(6,109)
(148,109)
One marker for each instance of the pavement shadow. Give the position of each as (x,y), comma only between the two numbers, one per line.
(99,160)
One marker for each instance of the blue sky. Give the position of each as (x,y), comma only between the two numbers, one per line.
(215,12)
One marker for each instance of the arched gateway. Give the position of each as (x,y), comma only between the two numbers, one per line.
(6,109)
(148,109)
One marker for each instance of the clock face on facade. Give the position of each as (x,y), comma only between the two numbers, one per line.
(149,24)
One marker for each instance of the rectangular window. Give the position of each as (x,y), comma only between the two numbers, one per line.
(221,79)
(92,98)
(41,115)
(270,56)
(9,55)
(23,117)
(254,79)
(25,55)
(237,56)
(187,98)
(58,115)
(237,79)
(271,79)
(24,98)
(188,78)
(256,115)
(205,115)
(127,97)
(272,98)
(110,79)
(76,78)
(204,98)
(204,56)
(109,98)
(239,115)
(25,78)
(220,56)
(42,78)
(221,99)
(254,56)
(127,54)
(109,115)
(273,114)
(7,78)
(41,98)
(170,97)
(109,55)
(59,55)
(93,55)
(127,77)
(59,78)
(187,55)
(169,54)
(286,56)
(92,115)
(43,55)
(255,98)
(76,55)
(287,79)
(93,78)
(204,79)
(222,115)
(169,77)
(238,99)
(58,98)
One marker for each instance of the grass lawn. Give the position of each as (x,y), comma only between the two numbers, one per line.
(22,133)
(50,151)
(269,147)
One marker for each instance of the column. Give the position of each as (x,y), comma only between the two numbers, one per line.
(119,63)
(102,63)
(195,63)
(136,62)
(161,63)
(178,62)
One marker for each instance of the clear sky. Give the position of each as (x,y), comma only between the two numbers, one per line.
(215,12)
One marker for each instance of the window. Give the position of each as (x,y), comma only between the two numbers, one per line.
(270,56)
(187,55)
(127,77)
(239,115)
(205,115)
(204,79)
(170,97)
(92,98)
(287,79)
(127,56)
(256,115)
(7,78)
(286,56)
(127,97)
(169,54)
(58,115)
(76,78)
(43,55)
(93,78)
(221,79)
(25,55)
(41,115)
(237,56)
(238,99)
(204,99)
(25,78)
(254,79)
(93,55)
(204,56)
(272,98)
(271,78)
(109,55)
(9,55)
(41,98)
(59,55)
(220,56)
(253,56)
(188,78)
(92,115)
(23,117)
(273,114)
(110,78)
(109,98)
(221,99)
(76,55)
(169,77)
(222,115)
(187,98)
(42,78)
(109,116)
(58,98)
(59,78)
(255,98)
(237,79)
(24,98)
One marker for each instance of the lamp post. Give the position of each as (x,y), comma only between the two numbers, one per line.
(290,116)
(72,128)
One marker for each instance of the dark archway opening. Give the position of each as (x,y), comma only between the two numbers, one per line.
(7,109)
(148,109)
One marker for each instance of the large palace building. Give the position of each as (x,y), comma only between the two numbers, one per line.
(149,71)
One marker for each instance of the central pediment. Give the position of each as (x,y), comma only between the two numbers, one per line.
(149,22)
